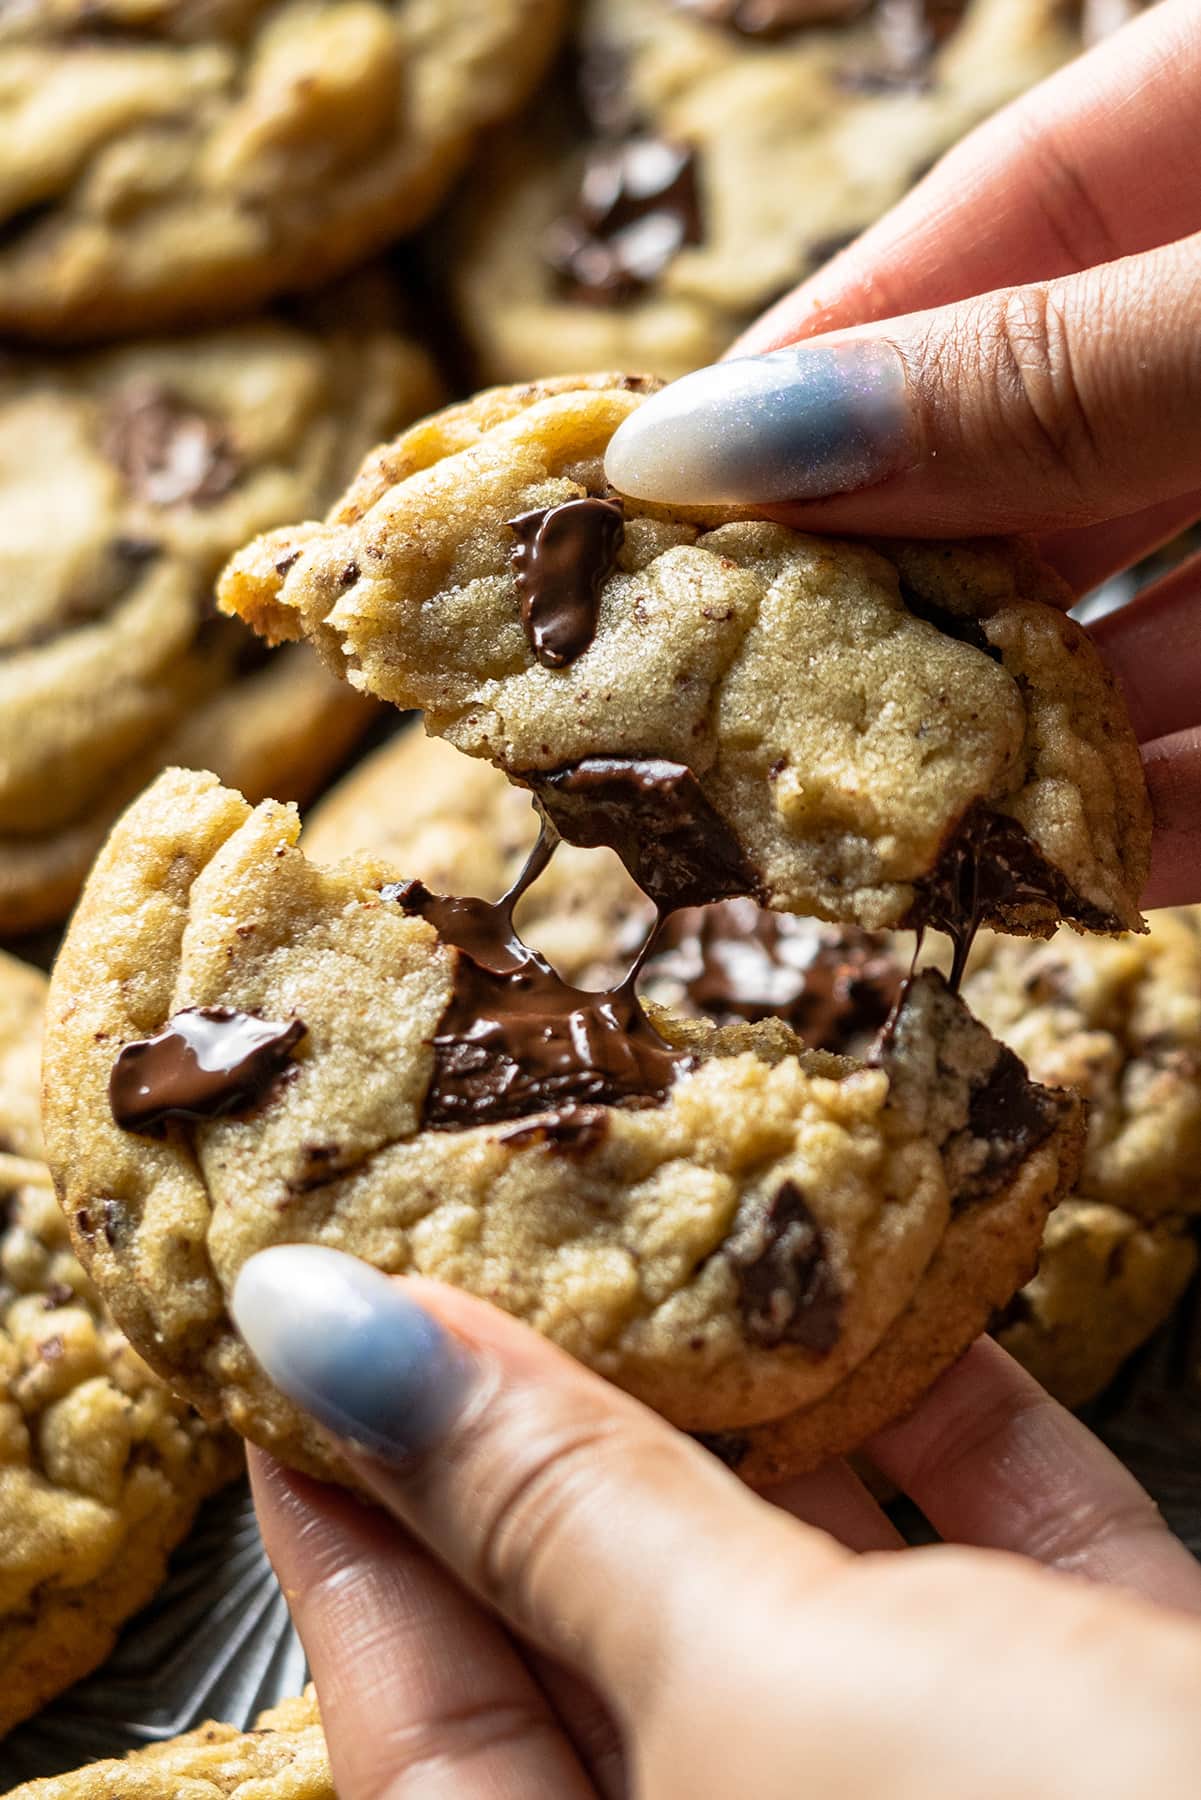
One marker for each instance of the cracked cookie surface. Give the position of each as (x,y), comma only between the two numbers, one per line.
(730,1243)
(704,167)
(128,475)
(844,731)
(283,1757)
(101,1469)
(181,161)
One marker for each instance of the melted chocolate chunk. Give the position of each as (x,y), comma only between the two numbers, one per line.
(578,1128)
(1009,1116)
(989,865)
(654,814)
(773,18)
(517,1039)
(638,205)
(207,1061)
(561,561)
(169,452)
(965,627)
(787,1291)
(833,985)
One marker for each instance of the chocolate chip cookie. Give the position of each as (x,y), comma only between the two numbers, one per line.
(726,1224)
(713,154)
(126,477)
(178,162)
(899,735)
(283,1758)
(101,1469)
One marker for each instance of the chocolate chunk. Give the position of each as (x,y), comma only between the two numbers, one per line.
(728,1446)
(773,18)
(517,1039)
(169,452)
(908,33)
(833,985)
(603,87)
(206,1062)
(787,1291)
(59,1293)
(561,561)
(989,865)
(1009,1116)
(638,205)
(965,627)
(574,1128)
(654,814)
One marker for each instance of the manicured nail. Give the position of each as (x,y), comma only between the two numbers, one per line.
(797,424)
(350,1347)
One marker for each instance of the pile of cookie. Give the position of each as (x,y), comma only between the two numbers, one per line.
(744,981)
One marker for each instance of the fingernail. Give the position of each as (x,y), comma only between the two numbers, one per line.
(350,1347)
(797,424)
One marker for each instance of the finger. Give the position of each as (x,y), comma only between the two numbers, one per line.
(835,1500)
(1173,769)
(1153,646)
(422,1694)
(588,1723)
(1088,555)
(1029,409)
(1097,162)
(993,1461)
(543,1488)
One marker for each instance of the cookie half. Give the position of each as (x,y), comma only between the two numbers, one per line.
(167,164)
(101,1468)
(899,735)
(723,1223)
(127,477)
(283,1755)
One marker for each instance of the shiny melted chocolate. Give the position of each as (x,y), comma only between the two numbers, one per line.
(638,205)
(207,1061)
(654,814)
(561,561)
(517,1039)
(990,865)
(833,985)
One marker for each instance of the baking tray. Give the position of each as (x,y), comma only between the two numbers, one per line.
(217,1642)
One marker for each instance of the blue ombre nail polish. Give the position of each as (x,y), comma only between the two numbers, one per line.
(798,424)
(350,1347)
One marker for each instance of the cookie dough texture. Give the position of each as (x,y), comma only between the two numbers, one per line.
(126,477)
(283,1758)
(170,163)
(101,1470)
(1120,1023)
(846,710)
(637,1253)
(456,824)
(799,140)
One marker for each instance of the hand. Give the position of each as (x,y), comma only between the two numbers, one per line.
(1013,349)
(563,1597)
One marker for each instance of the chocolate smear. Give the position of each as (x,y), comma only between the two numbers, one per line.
(517,1039)
(989,866)
(833,985)
(654,814)
(206,1062)
(787,1291)
(561,561)
(170,453)
(773,18)
(638,205)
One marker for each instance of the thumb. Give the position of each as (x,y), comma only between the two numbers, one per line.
(596,1530)
(1024,410)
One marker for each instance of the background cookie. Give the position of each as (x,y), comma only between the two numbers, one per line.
(735,707)
(738,1238)
(101,1469)
(169,164)
(707,166)
(282,1758)
(126,476)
